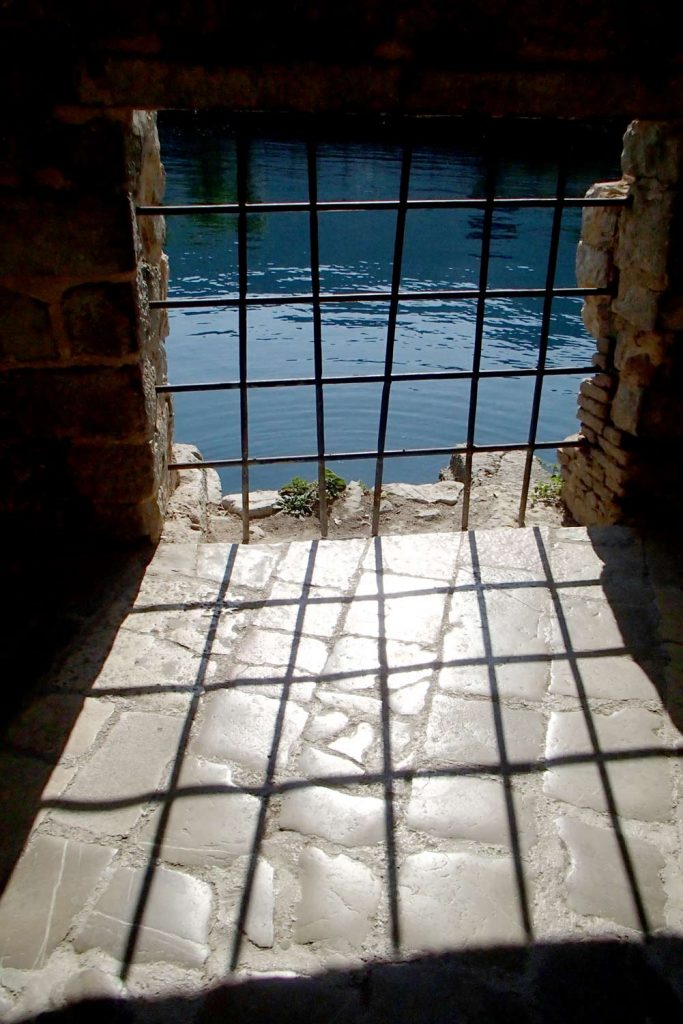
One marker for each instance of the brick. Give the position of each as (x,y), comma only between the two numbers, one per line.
(599,361)
(123,473)
(110,402)
(618,455)
(101,319)
(587,418)
(598,410)
(71,235)
(25,329)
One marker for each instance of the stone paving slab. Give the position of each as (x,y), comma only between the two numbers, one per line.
(320,754)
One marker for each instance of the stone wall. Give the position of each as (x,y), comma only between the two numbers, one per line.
(84,438)
(631,410)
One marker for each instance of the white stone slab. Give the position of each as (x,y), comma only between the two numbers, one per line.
(47,890)
(445,492)
(347,820)
(240,727)
(339,898)
(463,731)
(129,764)
(356,743)
(397,608)
(175,925)
(261,503)
(454,900)
(642,787)
(597,883)
(258,925)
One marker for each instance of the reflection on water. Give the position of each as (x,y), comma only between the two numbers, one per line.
(441,251)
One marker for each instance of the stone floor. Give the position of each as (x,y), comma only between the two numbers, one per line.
(311,757)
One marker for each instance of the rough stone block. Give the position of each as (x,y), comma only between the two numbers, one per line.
(101,319)
(25,329)
(653,149)
(599,223)
(72,235)
(637,304)
(594,268)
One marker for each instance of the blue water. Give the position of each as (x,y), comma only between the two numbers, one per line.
(441,251)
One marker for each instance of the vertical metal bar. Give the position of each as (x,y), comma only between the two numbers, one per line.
(484,259)
(545,329)
(317,331)
(391,329)
(242,169)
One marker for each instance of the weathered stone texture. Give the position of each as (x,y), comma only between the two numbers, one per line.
(635,406)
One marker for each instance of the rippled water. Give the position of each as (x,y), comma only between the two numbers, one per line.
(441,251)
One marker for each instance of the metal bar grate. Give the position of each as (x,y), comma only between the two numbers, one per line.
(393,298)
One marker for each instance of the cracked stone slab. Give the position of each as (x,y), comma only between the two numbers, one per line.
(453,900)
(354,663)
(174,559)
(594,624)
(409,700)
(395,608)
(597,883)
(642,788)
(469,808)
(149,663)
(339,817)
(282,610)
(339,898)
(318,764)
(323,563)
(175,925)
(502,548)
(325,725)
(240,727)
(356,743)
(208,828)
(463,731)
(129,764)
(500,623)
(616,677)
(517,680)
(258,926)
(188,613)
(352,703)
(431,555)
(298,655)
(47,890)
(240,565)
(44,725)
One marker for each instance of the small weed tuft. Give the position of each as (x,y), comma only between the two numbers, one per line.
(548,492)
(299,497)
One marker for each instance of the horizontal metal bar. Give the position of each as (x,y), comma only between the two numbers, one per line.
(372,378)
(399,453)
(356,205)
(442,295)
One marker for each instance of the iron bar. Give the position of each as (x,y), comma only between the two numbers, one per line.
(317,332)
(242,158)
(545,332)
(391,331)
(478,333)
(442,295)
(359,205)
(371,378)
(395,453)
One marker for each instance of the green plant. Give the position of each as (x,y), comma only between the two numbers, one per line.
(548,492)
(299,497)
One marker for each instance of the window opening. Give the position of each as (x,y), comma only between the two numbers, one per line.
(243,211)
